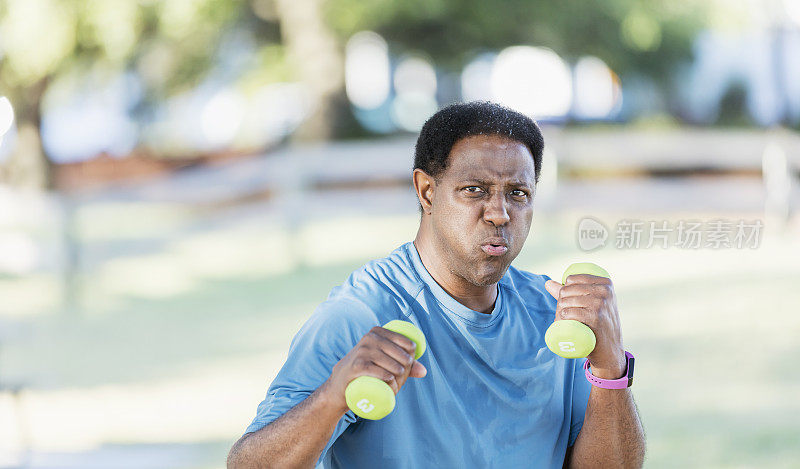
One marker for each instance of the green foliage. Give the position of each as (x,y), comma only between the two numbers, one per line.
(38,35)
(649,37)
(271,66)
(170,43)
(43,39)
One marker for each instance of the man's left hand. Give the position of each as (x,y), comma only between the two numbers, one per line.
(591,300)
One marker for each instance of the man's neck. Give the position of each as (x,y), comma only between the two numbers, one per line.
(474,297)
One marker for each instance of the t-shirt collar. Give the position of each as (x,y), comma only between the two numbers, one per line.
(470,316)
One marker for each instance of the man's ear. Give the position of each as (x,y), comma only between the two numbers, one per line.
(424,185)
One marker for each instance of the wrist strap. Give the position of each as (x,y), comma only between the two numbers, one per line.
(621,383)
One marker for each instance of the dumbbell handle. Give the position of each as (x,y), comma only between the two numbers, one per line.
(567,337)
(371,398)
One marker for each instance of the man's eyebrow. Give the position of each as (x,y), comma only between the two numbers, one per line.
(484,182)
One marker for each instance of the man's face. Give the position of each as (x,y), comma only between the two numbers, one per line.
(482,207)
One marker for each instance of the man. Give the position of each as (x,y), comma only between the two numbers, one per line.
(487,392)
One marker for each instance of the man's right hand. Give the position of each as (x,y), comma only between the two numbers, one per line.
(382,354)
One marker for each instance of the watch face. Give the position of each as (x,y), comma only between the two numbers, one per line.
(630,371)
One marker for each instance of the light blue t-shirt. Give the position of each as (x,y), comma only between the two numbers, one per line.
(494,395)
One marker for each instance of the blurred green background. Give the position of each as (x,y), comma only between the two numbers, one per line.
(183,181)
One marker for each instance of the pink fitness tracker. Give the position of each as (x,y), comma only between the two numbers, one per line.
(621,383)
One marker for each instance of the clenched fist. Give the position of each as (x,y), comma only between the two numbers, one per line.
(382,354)
(591,300)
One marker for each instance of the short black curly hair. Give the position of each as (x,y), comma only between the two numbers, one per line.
(457,121)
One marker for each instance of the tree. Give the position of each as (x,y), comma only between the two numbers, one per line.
(171,44)
(43,40)
(629,35)
(317,56)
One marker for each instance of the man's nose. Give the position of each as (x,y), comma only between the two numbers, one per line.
(495,210)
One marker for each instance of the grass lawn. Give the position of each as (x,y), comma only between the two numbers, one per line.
(178,344)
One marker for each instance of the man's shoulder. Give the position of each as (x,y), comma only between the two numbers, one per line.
(518,273)
(381,276)
(528,285)
(378,285)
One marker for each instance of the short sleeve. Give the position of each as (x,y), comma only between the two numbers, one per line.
(328,335)
(580,399)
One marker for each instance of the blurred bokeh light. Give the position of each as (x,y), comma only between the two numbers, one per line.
(183,181)
(532,80)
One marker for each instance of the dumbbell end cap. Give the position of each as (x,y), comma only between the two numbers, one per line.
(369,397)
(584,268)
(411,331)
(570,339)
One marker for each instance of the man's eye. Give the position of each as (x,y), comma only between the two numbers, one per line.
(473,189)
(518,193)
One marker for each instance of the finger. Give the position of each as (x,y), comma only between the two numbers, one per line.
(418,370)
(584,289)
(586,278)
(590,302)
(552,287)
(395,350)
(382,374)
(404,342)
(399,370)
(581,314)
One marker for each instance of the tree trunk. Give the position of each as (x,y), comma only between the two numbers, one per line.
(313,50)
(28,166)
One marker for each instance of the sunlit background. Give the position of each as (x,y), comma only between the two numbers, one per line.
(183,181)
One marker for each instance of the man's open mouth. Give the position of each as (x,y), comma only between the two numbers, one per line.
(495,248)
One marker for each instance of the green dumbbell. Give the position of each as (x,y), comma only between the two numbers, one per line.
(370,397)
(569,338)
